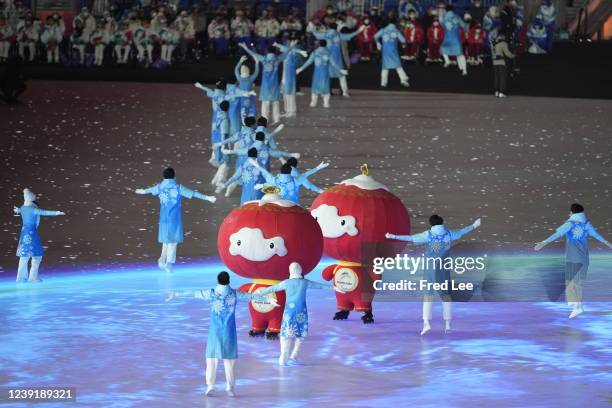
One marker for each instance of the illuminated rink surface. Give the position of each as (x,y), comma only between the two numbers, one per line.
(113,337)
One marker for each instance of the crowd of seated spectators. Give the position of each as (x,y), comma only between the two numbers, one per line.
(154,34)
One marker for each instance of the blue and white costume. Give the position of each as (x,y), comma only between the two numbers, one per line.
(452,45)
(334,45)
(249,175)
(264,152)
(221,130)
(222,342)
(438,241)
(322,60)
(547,14)
(289,80)
(270,85)
(290,184)
(233,114)
(170,232)
(295,318)
(246,82)
(577,230)
(491,24)
(390,37)
(537,37)
(30,245)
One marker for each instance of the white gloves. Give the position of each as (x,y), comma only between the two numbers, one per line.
(295,155)
(389,236)
(322,165)
(140,191)
(212,199)
(476,223)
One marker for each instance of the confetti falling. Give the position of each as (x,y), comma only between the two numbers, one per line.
(84,147)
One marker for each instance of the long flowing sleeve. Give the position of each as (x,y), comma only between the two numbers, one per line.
(308,62)
(271,289)
(420,238)
(456,234)
(250,296)
(47,213)
(277,154)
(234,178)
(152,190)
(593,232)
(317,285)
(188,193)
(561,231)
(254,75)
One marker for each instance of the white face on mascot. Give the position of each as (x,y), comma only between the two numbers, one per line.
(251,244)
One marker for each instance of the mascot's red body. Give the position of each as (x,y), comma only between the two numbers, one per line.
(259,240)
(354,217)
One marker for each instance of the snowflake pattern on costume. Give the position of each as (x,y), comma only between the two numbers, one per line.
(578,232)
(169,195)
(439,244)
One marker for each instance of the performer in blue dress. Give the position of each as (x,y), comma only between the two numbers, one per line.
(293,162)
(333,41)
(577,230)
(438,241)
(269,93)
(222,343)
(240,140)
(288,183)
(452,45)
(289,80)
(294,327)
(170,233)
(246,82)
(30,245)
(249,176)
(218,95)
(323,65)
(233,114)
(390,37)
(264,151)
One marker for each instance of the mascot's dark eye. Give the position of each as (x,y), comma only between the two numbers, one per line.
(271,245)
(239,242)
(343,222)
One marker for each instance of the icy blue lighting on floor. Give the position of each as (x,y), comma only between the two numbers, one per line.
(113,337)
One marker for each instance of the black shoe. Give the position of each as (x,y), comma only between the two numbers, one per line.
(253,333)
(271,336)
(367,318)
(341,315)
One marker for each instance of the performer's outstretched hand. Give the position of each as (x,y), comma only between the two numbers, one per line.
(172,296)
(298,71)
(539,246)
(140,191)
(212,199)
(389,236)
(322,165)
(198,85)
(344,72)
(295,155)
(476,223)
(15,210)
(243,58)
(609,245)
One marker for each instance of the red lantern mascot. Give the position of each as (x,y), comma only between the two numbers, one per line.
(354,217)
(259,240)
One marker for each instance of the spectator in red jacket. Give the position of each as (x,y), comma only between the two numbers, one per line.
(365,39)
(413,33)
(435,36)
(476,39)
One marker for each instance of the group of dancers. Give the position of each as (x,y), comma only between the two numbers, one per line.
(235,131)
